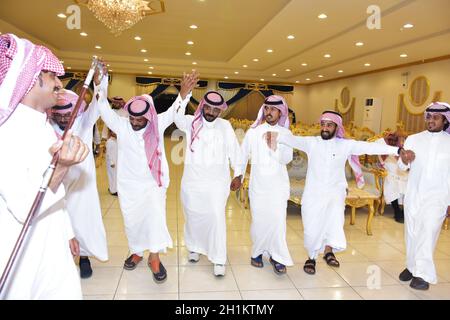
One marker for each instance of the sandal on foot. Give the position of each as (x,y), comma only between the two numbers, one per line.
(257,262)
(278,268)
(331,260)
(159,276)
(310,266)
(132,262)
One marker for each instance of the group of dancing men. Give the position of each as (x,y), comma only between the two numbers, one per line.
(35,110)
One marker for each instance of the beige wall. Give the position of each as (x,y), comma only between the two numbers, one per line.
(310,101)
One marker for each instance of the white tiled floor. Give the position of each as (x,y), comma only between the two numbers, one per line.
(382,253)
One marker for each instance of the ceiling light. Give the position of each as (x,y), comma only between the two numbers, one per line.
(226,77)
(261,79)
(322,16)
(194,63)
(304,64)
(137,38)
(255,60)
(188,53)
(320,76)
(193,26)
(110,70)
(359,44)
(340,71)
(62,61)
(297,81)
(327,55)
(269,50)
(61,15)
(143,50)
(403,55)
(288,70)
(307,79)
(146,60)
(83,34)
(150,72)
(151,67)
(367,64)
(98,47)
(245,66)
(190,43)
(291,37)
(274,74)
(408,26)
(108,65)
(236,72)
(69,68)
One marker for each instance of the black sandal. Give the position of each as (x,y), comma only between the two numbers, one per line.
(310,266)
(331,260)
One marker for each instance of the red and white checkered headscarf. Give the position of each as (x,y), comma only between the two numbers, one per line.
(276,102)
(21,62)
(212,99)
(143,106)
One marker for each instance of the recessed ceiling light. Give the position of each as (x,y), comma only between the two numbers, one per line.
(61,15)
(108,65)
(288,70)
(193,26)
(274,74)
(137,38)
(98,47)
(188,53)
(143,50)
(236,72)
(261,79)
(194,63)
(226,77)
(297,81)
(359,44)
(110,70)
(150,72)
(69,68)
(190,43)
(340,71)
(320,76)
(403,55)
(307,79)
(322,16)
(62,61)
(255,60)
(291,37)
(304,64)
(327,55)
(151,67)
(367,64)
(146,60)
(83,34)
(269,50)
(408,26)
(245,66)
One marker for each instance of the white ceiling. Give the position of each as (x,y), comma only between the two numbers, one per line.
(232,33)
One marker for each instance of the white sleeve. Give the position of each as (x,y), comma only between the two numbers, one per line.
(401,165)
(361,147)
(245,153)
(296,142)
(283,154)
(110,118)
(233,150)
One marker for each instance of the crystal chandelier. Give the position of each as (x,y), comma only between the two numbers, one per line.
(120,15)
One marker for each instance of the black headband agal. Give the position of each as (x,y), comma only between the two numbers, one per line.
(333,112)
(139,114)
(215,104)
(446,109)
(67,106)
(273,103)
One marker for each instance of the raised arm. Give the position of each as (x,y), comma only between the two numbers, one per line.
(110,118)
(296,142)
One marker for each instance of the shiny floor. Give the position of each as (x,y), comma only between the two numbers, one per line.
(369,267)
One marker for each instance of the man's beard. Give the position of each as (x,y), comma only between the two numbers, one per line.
(327,135)
(209,117)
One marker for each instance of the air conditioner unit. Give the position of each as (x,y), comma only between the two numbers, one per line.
(372,114)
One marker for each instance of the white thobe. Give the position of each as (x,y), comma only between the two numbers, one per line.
(268,193)
(45,268)
(323,199)
(205,185)
(111,163)
(396,179)
(82,201)
(105,131)
(426,200)
(142,201)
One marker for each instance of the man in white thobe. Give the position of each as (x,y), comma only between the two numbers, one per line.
(396,179)
(143,173)
(44,268)
(323,200)
(111,162)
(205,186)
(427,196)
(82,200)
(269,185)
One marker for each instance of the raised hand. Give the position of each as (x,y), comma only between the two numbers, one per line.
(100,72)
(236,183)
(188,83)
(407,156)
